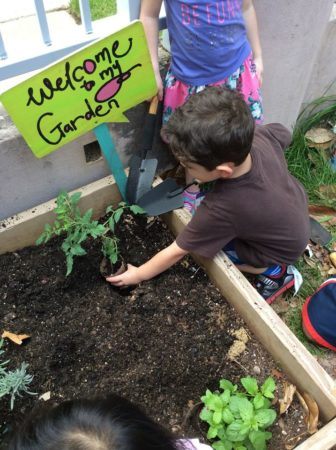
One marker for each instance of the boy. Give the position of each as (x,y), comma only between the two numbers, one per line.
(257,212)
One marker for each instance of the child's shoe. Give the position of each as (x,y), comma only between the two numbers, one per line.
(271,287)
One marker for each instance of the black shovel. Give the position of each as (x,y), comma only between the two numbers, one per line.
(319,234)
(163,198)
(141,169)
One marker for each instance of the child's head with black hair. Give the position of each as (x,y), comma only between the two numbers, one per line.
(213,127)
(110,423)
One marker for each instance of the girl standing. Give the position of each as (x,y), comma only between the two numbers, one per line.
(212,43)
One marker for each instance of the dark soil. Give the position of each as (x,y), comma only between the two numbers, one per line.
(160,345)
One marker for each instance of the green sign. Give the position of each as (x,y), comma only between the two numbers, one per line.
(94,85)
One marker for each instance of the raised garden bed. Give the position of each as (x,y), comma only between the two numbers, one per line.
(161,346)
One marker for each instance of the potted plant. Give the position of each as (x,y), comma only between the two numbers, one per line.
(79,227)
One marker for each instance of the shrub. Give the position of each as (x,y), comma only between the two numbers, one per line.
(15,382)
(238,419)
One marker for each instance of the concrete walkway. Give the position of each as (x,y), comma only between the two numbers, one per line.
(22,37)
(20,28)
(15,9)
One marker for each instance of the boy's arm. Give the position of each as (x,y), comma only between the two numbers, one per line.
(250,18)
(149,16)
(159,263)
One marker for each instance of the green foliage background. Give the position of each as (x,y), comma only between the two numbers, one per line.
(99,8)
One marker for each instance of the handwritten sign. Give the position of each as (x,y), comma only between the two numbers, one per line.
(89,87)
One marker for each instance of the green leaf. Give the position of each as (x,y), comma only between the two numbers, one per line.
(225,396)
(268,387)
(75,236)
(258,439)
(233,431)
(60,210)
(77,250)
(97,231)
(113,258)
(109,209)
(227,416)
(226,384)
(65,246)
(258,401)
(40,239)
(82,236)
(222,445)
(217,417)
(206,415)
(207,395)
(74,199)
(136,209)
(69,263)
(244,431)
(267,403)
(87,216)
(213,402)
(241,447)
(234,406)
(110,248)
(250,384)
(111,224)
(212,432)
(245,409)
(265,417)
(117,214)
(221,434)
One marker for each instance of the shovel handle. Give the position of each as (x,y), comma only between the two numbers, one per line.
(149,127)
(181,189)
(153,105)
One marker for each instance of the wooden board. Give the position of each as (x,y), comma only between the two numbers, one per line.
(23,229)
(324,439)
(274,335)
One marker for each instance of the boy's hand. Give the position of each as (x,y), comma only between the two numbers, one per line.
(160,262)
(131,276)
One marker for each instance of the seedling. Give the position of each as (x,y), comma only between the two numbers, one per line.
(78,228)
(238,419)
(13,383)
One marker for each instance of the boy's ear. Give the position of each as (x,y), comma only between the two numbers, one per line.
(225,170)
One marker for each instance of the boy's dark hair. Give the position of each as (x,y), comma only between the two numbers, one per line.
(213,127)
(112,423)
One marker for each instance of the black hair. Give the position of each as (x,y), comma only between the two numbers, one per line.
(111,423)
(213,127)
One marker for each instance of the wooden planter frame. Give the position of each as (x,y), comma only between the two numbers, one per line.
(301,367)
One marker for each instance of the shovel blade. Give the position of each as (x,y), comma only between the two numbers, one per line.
(319,234)
(140,178)
(159,200)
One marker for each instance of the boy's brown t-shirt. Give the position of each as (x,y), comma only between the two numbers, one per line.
(265,210)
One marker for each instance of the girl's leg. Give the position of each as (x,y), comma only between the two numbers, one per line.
(176,94)
(248,85)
